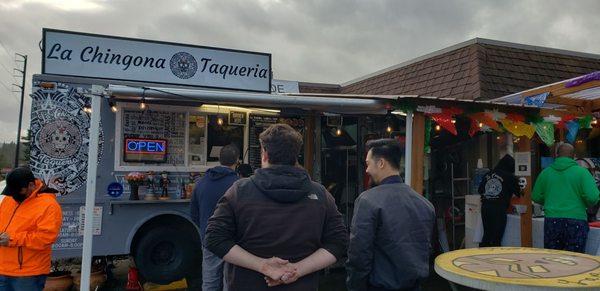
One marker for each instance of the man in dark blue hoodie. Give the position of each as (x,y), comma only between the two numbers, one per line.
(206,194)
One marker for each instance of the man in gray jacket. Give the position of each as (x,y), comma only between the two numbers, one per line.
(392,227)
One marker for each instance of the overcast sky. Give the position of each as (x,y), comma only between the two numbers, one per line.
(310,40)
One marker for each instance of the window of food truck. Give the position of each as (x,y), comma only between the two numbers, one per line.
(221,133)
(175,138)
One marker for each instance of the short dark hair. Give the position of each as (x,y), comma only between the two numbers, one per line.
(388,149)
(229,155)
(282,143)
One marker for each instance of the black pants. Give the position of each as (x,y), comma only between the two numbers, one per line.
(565,234)
(494,223)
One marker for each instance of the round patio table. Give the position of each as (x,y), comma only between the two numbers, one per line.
(516,268)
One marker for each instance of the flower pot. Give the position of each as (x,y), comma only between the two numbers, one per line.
(134,195)
(97,279)
(58,281)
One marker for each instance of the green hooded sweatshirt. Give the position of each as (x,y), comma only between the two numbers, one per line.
(565,189)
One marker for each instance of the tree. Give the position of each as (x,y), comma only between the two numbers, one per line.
(26,142)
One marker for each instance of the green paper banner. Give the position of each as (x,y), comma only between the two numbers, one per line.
(545,131)
(585,122)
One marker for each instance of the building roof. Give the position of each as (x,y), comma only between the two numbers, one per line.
(476,69)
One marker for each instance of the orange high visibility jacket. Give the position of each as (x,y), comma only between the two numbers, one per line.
(33,226)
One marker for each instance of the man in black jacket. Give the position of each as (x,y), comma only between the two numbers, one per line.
(392,227)
(277,227)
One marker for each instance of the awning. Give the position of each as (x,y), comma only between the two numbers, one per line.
(577,95)
(342,105)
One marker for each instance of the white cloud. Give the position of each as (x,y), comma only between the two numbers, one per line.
(311,40)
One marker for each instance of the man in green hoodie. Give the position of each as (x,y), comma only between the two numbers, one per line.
(566,190)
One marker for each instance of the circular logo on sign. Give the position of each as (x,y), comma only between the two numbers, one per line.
(183,65)
(60,139)
(115,189)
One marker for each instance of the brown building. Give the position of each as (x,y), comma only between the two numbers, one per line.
(474,69)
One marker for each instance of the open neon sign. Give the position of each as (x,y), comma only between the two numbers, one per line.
(145,150)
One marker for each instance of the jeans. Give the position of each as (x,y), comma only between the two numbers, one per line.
(29,283)
(212,272)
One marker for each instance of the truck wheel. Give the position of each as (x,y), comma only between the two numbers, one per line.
(166,254)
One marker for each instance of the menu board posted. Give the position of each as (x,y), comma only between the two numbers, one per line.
(71,232)
(258,123)
(166,125)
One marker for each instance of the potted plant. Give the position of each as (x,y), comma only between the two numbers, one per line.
(59,278)
(97,275)
(135,179)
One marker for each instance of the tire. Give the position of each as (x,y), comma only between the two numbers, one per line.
(167,254)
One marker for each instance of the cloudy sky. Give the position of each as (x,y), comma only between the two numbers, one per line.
(310,40)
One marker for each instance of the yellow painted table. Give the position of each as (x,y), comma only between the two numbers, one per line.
(515,268)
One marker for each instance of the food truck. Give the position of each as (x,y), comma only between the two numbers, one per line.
(166,110)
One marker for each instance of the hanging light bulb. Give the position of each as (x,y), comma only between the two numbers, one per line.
(87,109)
(338,131)
(389,120)
(480,124)
(143,104)
(595,121)
(220,120)
(438,127)
(453,121)
(113,105)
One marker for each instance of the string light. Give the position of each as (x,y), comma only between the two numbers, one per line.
(453,121)
(438,127)
(389,119)
(594,121)
(143,103)
(113,105)
(480,124)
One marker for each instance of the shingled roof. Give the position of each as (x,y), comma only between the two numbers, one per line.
(476,69)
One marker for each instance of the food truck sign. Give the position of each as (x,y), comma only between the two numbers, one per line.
(107,57)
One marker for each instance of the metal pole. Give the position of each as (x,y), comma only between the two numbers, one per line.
(90,196)
(24,72)
(408,149)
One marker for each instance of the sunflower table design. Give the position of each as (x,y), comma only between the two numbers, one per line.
(515,268)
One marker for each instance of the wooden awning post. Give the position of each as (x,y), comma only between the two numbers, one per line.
(524,145)
(418,152)
(309,144)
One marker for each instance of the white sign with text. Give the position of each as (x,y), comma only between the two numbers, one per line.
(99,56)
